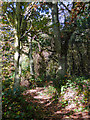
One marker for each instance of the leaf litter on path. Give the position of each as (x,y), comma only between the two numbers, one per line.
(50,109)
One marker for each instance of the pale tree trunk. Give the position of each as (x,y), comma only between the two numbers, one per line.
(57,40)
(20,62)
(17,48)
(16,58)
(30,56)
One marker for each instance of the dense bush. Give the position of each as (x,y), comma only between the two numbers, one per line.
(14,105)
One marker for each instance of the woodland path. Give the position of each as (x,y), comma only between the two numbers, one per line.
(47,108)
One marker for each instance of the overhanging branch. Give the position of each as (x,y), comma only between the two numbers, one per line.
(66,7)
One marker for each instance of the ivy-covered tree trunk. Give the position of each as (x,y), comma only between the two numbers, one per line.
(57,40)
(30,56)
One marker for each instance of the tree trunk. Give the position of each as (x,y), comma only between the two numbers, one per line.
(30,56)
(16,57)
(57,40)
(73,62)
(17,48)
(20,61)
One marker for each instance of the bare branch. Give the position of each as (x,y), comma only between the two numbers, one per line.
(66,7)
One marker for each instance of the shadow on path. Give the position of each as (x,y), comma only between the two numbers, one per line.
(47,108)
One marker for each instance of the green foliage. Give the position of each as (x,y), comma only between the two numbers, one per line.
(39,81)
(81,82)
(80,87)
(50,90)
(25,63)
(59,82)
(14,105)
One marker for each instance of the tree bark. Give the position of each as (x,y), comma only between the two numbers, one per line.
(57,40)
(17,47)
(30,56)
(16,58)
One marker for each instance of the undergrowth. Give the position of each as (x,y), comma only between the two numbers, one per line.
(14,106)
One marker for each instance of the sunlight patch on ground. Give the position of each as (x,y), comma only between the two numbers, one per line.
(32,91)
(42,97)
(50,102)
(70,94)
(69,105)
(72,105)
(58,112)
